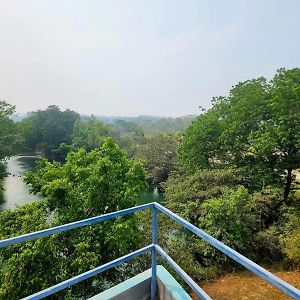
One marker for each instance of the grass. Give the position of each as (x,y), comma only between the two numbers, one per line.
(245,286)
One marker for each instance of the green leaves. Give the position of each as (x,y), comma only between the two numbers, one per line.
(89,133)
(228,218)
(185,192)
(87,184)
(160,156)
(257,127)
(10,139)
(248,139)
(201,142)
(45,130)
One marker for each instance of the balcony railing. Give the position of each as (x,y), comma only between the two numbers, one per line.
(155,249)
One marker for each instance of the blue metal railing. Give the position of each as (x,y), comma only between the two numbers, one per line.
(154,249)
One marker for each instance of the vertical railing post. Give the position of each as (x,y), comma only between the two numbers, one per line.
(154,254)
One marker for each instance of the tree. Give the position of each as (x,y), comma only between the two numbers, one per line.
(10,139)
(160,154)
(217,202)
(278,138)
(186,191)
(255,128)
(89,133)
(86,185)
(200,147)
(128,135)
(236,157)
(221,136)
(46,130)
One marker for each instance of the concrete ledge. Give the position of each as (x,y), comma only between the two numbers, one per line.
(168,287)
(138,288)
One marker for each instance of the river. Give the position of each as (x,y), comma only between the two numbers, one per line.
(16,192)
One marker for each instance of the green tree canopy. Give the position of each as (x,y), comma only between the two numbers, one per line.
(217,202)
(277,141)
(86,185)
(255,127)
(89,133)
(127,134)
(45,130)
(160,154)
(10,139)
(185,192)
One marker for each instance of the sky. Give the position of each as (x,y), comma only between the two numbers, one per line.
(140,57)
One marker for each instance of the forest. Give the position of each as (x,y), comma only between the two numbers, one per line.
(232,171)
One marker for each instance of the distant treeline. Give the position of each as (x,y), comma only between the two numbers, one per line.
(151,125)
(232,173)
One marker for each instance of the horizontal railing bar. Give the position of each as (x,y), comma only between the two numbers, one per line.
(182,274)
(67,283)
(253,267)
(247,263)
(69,226)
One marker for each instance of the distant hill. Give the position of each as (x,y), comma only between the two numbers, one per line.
(149,124)
(154,124)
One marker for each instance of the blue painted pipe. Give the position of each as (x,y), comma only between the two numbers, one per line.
(154,255)
(66,227)
(250,265)
(244,261)
(67,283)
(182,274)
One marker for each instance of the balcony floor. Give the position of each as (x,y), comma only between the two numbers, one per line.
(138,288)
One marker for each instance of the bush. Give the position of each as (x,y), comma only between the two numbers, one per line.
(290,233)
(214,200)
(88,184)
(185,192)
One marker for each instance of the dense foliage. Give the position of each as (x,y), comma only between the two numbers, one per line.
(45,130)
(87,184)
(89,133)
(237,177)
(256,224)
(159,153)
(255,127)
(234,177)
(10,138)
(153,125)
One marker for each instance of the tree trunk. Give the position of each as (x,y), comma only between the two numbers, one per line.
(288,183)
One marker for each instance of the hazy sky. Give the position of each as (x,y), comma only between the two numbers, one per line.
(133,57)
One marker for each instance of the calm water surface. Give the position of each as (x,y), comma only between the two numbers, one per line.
(151,194)
(16,192)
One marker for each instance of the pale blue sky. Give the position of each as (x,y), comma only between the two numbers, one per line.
(139,57)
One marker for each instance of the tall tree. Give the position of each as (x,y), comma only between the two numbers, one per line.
(47,129)
(89,133)
(10,139)
(278,138)
(128,135)
(86,185)
(160,155)
(200,147)
(256,127)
